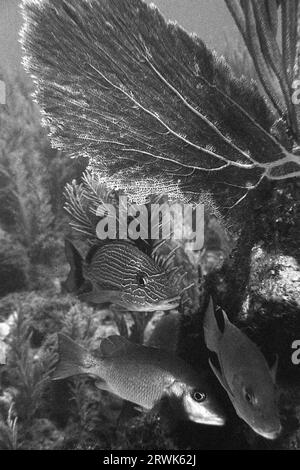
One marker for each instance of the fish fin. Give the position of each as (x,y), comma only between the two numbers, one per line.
(274,368)
(75,278)
(212,332)
(73,359)
(119,317)
(139,409)
(96,296)
(114,345)
(217,370)
(221,319)
(92,251)
(102,385)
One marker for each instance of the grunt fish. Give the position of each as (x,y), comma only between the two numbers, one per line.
(119,273)
(244,373)
(141,375)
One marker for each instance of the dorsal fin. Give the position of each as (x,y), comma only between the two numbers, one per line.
(115,345)
(212,329)
(158,259)
(219,315)
(91,253)
(75,278)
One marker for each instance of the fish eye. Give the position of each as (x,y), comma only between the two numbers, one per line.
(141,279)
(198,396)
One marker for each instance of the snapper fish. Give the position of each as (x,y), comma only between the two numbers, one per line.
(244,373)
(119,273)
(141,375)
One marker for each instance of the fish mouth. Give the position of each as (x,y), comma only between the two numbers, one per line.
(205,415)
(216,421)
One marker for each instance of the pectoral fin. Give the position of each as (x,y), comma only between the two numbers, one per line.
(99,296)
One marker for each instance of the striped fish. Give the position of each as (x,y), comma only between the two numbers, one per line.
(119,273)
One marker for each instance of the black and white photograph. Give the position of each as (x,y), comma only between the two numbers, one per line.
(149,227)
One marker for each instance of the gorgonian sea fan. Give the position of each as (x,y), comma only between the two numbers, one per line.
(146,102)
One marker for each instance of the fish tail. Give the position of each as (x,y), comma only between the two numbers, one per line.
(73,359)
(75,279)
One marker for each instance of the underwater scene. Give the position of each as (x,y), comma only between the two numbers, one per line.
(149,225)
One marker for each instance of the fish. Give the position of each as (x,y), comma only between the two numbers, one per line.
(141,375)
(120,273)
(244,373)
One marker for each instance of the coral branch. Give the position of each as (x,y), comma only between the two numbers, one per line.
(150,105)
